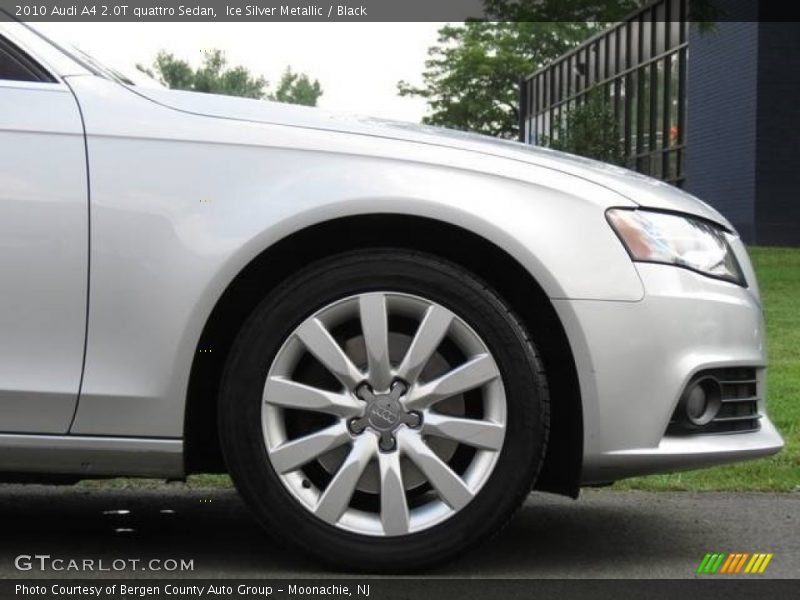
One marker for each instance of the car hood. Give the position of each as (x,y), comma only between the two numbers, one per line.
(644,191)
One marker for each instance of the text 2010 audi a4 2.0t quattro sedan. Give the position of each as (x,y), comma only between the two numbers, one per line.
(387,334)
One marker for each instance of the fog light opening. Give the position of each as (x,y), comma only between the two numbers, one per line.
(701,401)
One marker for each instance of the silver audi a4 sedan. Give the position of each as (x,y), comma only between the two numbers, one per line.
(386,334)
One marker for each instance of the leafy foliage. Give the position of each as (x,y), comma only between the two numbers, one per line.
(560,10)
(472,75)
(214,76)
(297,88)
(591,130)
(471,78)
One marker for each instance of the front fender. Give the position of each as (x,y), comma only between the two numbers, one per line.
(180,205)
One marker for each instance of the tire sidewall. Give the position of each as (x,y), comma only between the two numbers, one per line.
(321,284)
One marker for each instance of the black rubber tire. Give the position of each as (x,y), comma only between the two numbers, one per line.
(388,270)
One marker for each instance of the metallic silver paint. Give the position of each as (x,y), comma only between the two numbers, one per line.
(43,256)
(210,216)
(91,456)
(634,360)
(187,189)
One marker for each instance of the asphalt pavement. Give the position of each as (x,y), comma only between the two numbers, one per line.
(604,534)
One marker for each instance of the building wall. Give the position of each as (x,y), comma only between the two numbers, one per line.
(721,136)
(778,135)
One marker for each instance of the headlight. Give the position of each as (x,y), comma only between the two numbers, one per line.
(676,240)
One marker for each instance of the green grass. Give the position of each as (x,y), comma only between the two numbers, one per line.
(778,271)
(125,483)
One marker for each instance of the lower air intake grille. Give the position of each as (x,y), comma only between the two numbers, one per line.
(718,401)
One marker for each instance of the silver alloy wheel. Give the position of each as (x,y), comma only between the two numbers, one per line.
(412,395)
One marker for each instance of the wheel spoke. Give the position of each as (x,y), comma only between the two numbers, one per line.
(293,454)
(286,393)
(385,416)
(336,497)
(318,340)
(451,487)
(394,509)
(474,373)
(375,327)
(472,432)
(428,337)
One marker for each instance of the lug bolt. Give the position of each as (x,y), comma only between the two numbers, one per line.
(397,389)
(413,419)
(364,392)
(357,426)
(387,442)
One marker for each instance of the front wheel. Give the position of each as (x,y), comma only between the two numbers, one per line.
(383,410)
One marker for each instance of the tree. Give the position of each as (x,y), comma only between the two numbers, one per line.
(471,78)
(591,130)
(297,88)
(596,11)
(214,76)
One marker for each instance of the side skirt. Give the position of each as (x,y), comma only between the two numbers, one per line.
(91,456)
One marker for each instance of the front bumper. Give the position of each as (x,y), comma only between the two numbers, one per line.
(634,360)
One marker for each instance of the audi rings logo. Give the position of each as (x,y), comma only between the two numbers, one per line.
(383,414)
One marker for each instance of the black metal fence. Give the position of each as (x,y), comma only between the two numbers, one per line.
(639,66)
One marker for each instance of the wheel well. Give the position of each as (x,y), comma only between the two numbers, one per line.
(562,467)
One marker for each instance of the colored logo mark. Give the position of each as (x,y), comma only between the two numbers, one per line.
(734,563)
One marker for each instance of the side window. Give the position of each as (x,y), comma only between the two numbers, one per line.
(17,66)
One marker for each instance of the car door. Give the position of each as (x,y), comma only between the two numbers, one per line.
(43,247)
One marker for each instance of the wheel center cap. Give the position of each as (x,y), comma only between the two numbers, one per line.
(384,413)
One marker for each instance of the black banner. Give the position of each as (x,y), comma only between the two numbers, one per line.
(375,10)
(398,589)
(243,10)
